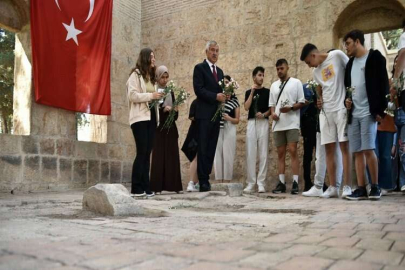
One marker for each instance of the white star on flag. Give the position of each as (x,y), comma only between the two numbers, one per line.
(72,32)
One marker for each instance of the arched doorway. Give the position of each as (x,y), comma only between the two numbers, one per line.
(369,16)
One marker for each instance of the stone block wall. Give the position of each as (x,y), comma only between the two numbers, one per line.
(29,163)
(50,157)
(252,33)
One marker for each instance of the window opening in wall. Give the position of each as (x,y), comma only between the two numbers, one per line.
(91,127)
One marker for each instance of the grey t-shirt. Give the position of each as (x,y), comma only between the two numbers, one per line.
(360,99)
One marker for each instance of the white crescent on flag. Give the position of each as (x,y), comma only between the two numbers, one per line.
(90,11)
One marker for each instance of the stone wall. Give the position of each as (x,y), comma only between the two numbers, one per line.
(251,33)
(50,157)
(31,163)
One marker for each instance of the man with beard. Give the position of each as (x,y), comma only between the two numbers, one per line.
(286,100)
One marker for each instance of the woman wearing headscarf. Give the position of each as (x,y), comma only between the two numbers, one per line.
(165,171)
(143,121)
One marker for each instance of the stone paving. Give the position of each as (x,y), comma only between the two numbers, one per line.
(200,231)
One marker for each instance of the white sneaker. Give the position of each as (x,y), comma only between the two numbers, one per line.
(262,189)
(250,188)
(384,192)
(331,192)
(138,195)
(347,190)
(313,192)
(191,187)
(403,188)
(150,195)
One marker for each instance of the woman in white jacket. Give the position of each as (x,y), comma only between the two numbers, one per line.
(143,120)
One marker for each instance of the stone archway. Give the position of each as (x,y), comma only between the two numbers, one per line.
(14,14)
(369,16)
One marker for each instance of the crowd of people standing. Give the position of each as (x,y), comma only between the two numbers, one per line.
(350,111)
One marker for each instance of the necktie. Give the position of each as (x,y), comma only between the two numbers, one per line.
(214,72)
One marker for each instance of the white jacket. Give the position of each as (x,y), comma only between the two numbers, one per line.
(138,99)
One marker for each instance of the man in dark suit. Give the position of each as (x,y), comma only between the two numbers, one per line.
(209,94)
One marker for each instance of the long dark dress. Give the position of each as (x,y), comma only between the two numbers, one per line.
(165,170)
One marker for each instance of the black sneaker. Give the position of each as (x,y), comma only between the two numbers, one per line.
(375,192)
(358,194)
(294,189)
(280,188)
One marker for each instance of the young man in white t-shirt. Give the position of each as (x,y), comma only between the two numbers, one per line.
(329,73)
(286,99)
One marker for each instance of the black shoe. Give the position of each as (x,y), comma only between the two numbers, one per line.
(358,194)
(280,188)
(150,194)
(205,188)
(375,192)
(294,189)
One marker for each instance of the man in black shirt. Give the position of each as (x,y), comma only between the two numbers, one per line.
(257,134)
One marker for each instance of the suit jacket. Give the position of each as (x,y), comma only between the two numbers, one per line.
(206,89)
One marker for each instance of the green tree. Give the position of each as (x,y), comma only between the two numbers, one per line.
(392,38)
(7,43)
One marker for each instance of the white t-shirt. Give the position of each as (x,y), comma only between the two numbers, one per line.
(293,93)
(401,45)
(360,98)
(330,76)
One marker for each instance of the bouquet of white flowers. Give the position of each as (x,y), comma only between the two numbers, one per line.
(181,96)
(228,89)
(282,105)
(165,92)
(390,111)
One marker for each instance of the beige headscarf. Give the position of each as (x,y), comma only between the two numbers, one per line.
(159,73)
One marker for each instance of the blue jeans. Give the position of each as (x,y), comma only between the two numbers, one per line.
(400,123)
(383,145)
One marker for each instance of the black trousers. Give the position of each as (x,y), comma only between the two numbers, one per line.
(207,138)
(144,133)
(309,146)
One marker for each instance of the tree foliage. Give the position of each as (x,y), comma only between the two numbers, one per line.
(392,38)
(7,43)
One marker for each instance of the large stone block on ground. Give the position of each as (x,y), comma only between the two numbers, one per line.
(111,200)
(232,189)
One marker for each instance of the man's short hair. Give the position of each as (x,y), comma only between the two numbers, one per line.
(281,61)
(306,50)
(257,70)
(209,44)
(354,35)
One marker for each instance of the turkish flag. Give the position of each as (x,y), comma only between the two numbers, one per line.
(71,54)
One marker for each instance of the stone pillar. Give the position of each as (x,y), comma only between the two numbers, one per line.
(22,83)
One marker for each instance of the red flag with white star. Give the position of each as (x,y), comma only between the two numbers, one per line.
(71,54)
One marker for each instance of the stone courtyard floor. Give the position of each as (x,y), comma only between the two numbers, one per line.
(201,231)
